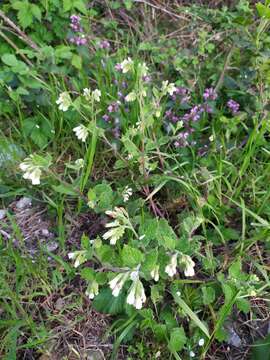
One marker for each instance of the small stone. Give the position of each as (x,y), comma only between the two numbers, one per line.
(23,203)
(60,303)
(2,214)
(234,339)
(95,355)
(45,232)
(52,246)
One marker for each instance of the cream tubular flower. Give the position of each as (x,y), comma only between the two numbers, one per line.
(81,132)
(189,265)
(96,95)
(168,88)
(155,273)
(31,169)
(143,69)
(126,65)
(92,290)
(127,193)
(170,269)
(136,296)
(33,175)
(115,233)
(131,96)
(87,93)
(78,256)
(64,101)
(117,283)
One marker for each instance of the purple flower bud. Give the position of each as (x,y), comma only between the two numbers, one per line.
(75,19)
(207,108)
(104,44)
(118,67)
(113,107)
(83,41)
(106,117)
(116,132)
(120,95)
(233,106)
(209,94)
(168,113)
(146,78)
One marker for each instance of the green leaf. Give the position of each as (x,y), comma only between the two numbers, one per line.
(160,331)
(208,295)
(160,231)
(243,305)
(261,349)
(177,339)
(88,274)
(80,5)
(101,197)
(65,189)
(131,256)
(67,5)
(192,315)
(36,12)
(10,153)
(151,259)
(9,59)
(63,52)
(263,10)
(106,303)
(76,61)
(24,14)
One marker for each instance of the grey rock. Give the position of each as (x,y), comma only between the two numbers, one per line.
(234,339)
(23,203)
(52,246)
(2,214)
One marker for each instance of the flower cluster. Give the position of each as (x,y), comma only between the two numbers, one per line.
(181,98)
(32,166)
(92,95)
(75,24)
(210,94)
(92,290)
(64,101)
(81,132)
(79,257)
(125,66)
(136,295)
(118,225)
(104,44)
(233,106)
(127,193)
(181,95)
(185,261)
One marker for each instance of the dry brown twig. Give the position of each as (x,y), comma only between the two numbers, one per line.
(18,31)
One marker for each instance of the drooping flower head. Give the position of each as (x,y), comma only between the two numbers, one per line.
(64,101)
(92,290)
(155,273)
(81,132)
(32,166)
(117,283)
(136,296)
(170,269)
(188,265)
(168,88)
(126,65)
